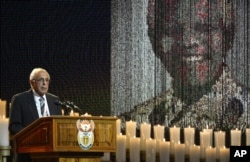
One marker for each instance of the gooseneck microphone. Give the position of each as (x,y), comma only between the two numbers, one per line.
(63,105)
(67,106)
(71,104)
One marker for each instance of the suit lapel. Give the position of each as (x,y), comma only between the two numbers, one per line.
(32,105)
(50,104)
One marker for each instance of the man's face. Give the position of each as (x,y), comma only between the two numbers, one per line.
(197,55)
(189,37)
(41,83)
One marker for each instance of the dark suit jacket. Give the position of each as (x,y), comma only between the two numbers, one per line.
(23,110)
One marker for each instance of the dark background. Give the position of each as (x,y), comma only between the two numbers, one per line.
(71,39)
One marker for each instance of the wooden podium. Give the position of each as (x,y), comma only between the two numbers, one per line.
(54,139)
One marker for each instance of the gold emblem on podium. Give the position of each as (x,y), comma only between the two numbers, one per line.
(85,134)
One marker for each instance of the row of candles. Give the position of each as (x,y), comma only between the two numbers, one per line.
(4,140)
(158,144)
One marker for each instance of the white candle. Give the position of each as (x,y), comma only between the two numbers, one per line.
(210,154)
(150,150)
(235,137)
(205,139)
(219,141)
(164,151)
(4,140)
(211,135)
(158,135)
(172,147)
(175,134)
(145,131)
(204,142)
(188,138)
(224,154)
(157,145)
(189,135)
(159,132)
(194,153)
(121,148)
(248,136)
(130,130)
(179,152)
(134,151)
(202,152)
(118,126)
(2,108)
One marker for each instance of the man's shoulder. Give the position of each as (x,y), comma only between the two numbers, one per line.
(51,95)
(22,96)
(24,93)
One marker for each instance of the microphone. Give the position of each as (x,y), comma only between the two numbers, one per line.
(64,106)
(71,104)
(60,103)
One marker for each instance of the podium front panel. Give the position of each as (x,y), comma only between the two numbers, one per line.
(59,134)
(104,134)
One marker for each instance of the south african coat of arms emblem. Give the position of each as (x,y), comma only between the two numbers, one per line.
(85,134)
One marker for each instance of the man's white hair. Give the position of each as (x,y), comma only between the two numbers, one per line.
(35,71)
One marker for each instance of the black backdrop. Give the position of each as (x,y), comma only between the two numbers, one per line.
(71,39)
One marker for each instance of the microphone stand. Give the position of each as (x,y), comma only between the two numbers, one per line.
(65,107)
(74,107)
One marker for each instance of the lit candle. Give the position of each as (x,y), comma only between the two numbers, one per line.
(118,126)
(134,151)
(219,138)
(235,137)
(224,154)
(248,136)
(172,147)
(188,138)
(150,150)
(205,139)
(121,148)
(189,135)
(145,132)
(194,153)
(179,152)
(164,151)
(219,141)
(204,142)
(210,154)
(175,134)
(2,108)
(4,140)
(157,145)
(158,135)
(159,132)
(211,135)
(130,130)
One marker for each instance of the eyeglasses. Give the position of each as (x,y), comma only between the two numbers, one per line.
(42,80)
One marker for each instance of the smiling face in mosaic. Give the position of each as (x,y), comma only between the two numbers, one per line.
(191,37)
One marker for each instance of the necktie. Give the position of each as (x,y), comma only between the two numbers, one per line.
(42,105)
